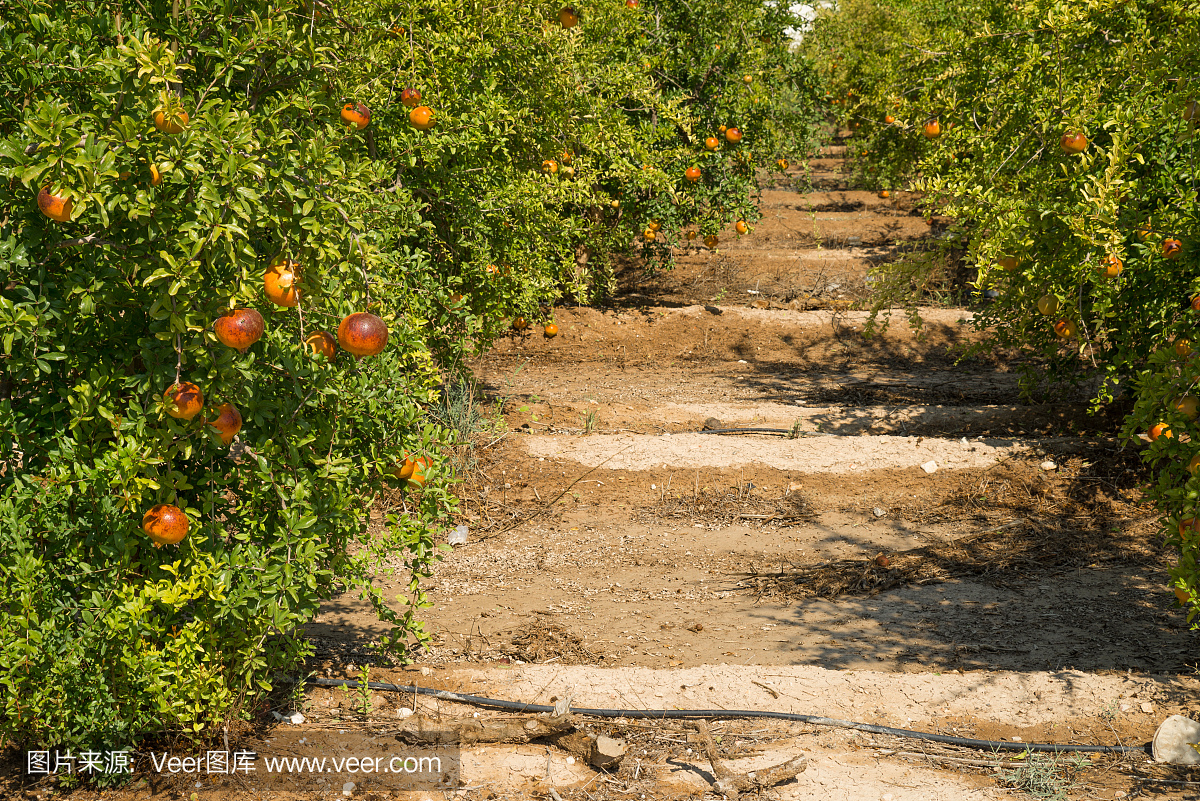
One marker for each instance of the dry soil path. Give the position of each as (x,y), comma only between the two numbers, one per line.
(929,551)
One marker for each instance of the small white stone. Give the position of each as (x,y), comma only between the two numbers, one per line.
(887,797)
(348,788)
(1125,707)
(929,466)
(425,671)
(1048,465)
(1016,739)
(742,361)
(1147,707)
(653,487)
(403,712)
(879,511)
(296,718)
(570,760)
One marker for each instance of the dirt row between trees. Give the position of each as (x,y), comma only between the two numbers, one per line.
(913,544)
(909,544)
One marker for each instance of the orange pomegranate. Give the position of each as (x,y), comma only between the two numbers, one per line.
(692,174)
(932,128)
(420,466)
(421,118)
(173,123)
(1111,267)
(228,422)
(356,115)
(165,524)
(53,206)
(1188,405)
(711,241)
(1160,430)
(280,282)
(363,334)
(550,331)
(733,136)
(1171,248)
(322,343)
(1065,329)
(410,97)
(711,143)
(741,227)
(1073,142)
(184,400)
(568,17)
(549,166)
(520,324)
(239,328)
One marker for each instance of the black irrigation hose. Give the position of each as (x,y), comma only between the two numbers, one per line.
(679,714)
(787,432)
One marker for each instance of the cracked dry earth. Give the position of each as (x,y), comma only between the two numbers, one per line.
(908,544)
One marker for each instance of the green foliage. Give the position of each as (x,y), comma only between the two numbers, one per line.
(1007,88)
(104,312)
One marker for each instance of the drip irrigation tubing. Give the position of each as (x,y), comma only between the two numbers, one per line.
(787,432)
(683,714)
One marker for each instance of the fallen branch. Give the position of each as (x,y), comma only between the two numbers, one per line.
(731,784)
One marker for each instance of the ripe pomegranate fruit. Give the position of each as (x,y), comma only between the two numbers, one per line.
(280,282)
(692,174)
(356,115)
(1111,267)
(172,124)
(411,98)
(184,400)
(239,328)
(55,207)
(228,422)
(362,334)
(1073,142)
(322,343)
(421,118)
(550,331)
(165,524)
